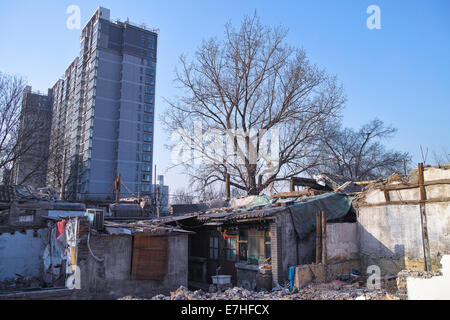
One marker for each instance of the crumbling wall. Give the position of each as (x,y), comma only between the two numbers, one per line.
(390,226)
(112,277)
(21,255)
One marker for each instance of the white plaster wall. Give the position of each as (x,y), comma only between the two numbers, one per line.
(390,231)
(22,254)
(432,174)
(438,221)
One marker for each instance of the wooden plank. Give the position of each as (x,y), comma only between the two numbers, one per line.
(150,257)
(405,202)
(293,194)
(324,237)
(412,186)
(423,219)
(386,196)
(318,237)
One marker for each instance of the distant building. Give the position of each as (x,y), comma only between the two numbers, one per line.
(34,136)
(104,112)
(163,194)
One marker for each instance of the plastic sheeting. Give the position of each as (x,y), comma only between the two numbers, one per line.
(336,205)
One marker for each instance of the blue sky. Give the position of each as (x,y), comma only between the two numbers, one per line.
(399,74)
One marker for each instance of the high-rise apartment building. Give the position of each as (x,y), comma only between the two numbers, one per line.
(103,112)
(34,138)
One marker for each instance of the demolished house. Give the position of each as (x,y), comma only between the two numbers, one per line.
(59,250)
(318,234)
(333,232)
(255,240)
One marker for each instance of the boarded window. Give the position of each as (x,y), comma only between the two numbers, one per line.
(150,257)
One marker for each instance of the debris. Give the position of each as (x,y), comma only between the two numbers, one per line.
(337,284)
(313,291)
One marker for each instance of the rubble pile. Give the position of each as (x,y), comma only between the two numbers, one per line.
(314,291)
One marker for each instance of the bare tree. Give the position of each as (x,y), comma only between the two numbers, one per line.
(62,168)
(181,196)
(441,157)
(360,155)
(253,91)
(20,138)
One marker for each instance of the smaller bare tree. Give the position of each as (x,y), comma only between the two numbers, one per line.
(181,196)
(360,155)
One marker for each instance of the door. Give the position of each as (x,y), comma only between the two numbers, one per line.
(231,254)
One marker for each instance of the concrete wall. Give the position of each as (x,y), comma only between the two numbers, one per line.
(112,278)
(342,249)
(342,242)
(390,235)
(22,254)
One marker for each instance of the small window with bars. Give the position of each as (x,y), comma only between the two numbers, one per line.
(214,248)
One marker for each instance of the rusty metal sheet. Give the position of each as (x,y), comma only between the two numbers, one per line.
(150,257)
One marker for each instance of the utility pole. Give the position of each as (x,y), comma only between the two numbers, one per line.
(117,187)
(156,211)
(423,219)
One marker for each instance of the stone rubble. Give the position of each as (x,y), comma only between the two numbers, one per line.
(314,291)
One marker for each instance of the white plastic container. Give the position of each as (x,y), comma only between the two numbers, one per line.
(221,279)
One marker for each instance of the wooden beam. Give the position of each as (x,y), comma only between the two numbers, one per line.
(324,236)
(363,183)
(404,202)
(412,186)
(423,219)
(386,196)
(318,237)
(293,194)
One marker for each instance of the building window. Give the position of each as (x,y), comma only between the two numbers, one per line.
(148,99)
(147,157)
(148,118)
(147,147)
(149,80)
(146,187)
(213,248)
(147,127)
(149,90)
(230,248)
(147,137)
(146,177)
(148,108)
(146,168)
(150,72)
